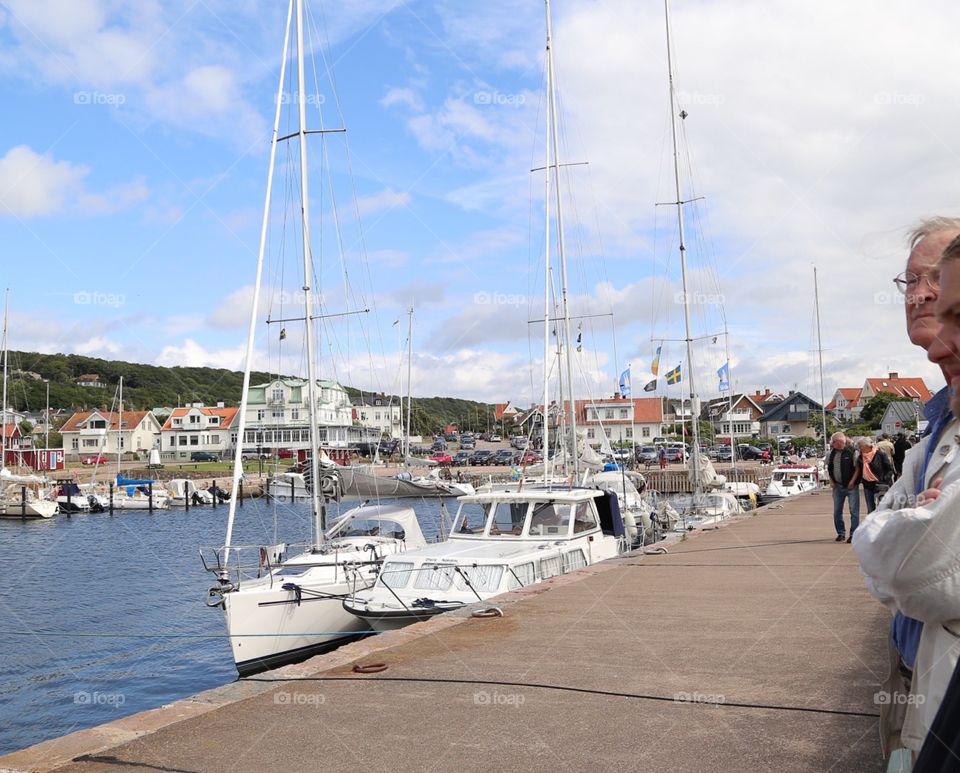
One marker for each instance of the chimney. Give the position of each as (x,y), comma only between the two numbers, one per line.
(221,404)
(894,375)
(766,391)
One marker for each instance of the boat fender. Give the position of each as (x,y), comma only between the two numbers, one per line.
(369,668)
(488,612)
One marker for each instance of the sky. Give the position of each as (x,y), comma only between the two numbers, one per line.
(135,142)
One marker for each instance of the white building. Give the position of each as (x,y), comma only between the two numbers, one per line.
(631,420)
(89,433)
(277,416)
(379,412)
(198,428)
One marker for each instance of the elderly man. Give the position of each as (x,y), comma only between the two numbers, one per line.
(844,479)
(909,547)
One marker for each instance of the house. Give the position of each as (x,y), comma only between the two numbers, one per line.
(277,416)
(198,428)
(621,419)
(796,415)
(737,414)
(379,412)
(91,380)
(900,416)
(766,396)
(505,413)
(846,404)
(106,432)
(913,388)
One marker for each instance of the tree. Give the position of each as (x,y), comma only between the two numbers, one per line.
(876,406)
(26,427)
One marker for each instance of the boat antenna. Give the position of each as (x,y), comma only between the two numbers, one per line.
(694,412)
(823,406)
(561,245)
(254,309)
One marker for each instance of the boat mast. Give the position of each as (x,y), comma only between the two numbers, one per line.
(316,501)
(561,246)
(694,412)
(406,441)
(547,324)
(254,309)
(726,346)
(119,426)
(823,405)
(3,433)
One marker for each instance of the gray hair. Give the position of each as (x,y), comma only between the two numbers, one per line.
(865,441)
(838,436)
(929,226)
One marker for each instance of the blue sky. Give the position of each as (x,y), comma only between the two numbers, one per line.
(133,152)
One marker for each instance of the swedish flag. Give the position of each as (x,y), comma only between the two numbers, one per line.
(673,376)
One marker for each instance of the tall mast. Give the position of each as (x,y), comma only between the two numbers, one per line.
(3,433)
(726,347)
(406,441)
(694,408)
(252,328)
(561,245)
(547,354)
(316,501)
(119,425)
(823,405)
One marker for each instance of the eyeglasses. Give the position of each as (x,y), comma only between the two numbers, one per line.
(908,282)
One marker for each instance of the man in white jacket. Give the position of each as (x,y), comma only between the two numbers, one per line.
(910,546)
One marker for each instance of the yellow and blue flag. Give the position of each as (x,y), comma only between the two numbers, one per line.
(674,377)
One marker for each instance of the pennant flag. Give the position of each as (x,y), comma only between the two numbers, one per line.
(283,333)
(674,377)
(724,375)
(655,365)
(396,322)
(625,388)
(579,342)
(651,387)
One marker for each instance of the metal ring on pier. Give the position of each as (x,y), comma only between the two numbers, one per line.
(369,668)
(489,612)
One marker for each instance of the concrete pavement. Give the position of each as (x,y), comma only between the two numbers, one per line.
(749,647)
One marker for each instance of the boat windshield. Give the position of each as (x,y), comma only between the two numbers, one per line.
(471,518)
(370,527)
(506,519)
(549,518)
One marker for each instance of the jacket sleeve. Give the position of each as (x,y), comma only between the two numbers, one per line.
(912,555)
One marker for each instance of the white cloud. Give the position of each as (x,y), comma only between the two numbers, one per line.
(192,354)
(383,201)
(98,345)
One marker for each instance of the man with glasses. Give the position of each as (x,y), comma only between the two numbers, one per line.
(908,548)
(920,285)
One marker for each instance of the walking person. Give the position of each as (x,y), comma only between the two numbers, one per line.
(844,479)
(876,472)
(662,456)
(900,448)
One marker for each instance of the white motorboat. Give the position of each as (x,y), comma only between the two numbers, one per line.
(279,610)
(501,541)
(70,498)
(181,491)
(646,516)
(709,508)
(24,496)
(791,479)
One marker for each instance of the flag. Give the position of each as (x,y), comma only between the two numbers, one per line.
(395,322)
(655,365)
(674,377)
(283,333)
(651,387)
(625,388)
(724,375)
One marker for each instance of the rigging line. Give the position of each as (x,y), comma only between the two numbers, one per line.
(564,688)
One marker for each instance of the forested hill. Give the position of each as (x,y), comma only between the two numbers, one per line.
(149,386)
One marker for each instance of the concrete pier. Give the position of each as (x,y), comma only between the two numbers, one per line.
(751,647)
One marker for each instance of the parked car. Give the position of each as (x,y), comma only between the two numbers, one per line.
(496,439)
(519,441)
(439,445)
(621,454)
(481,458)
(204,456)
(748,452)
(420,450)
(674,454)
(285,453)
(388,447)
(248,455)
(468,444)
(461,458)
(724,454)
(648,454)
(526,458)
(504,457)
(442,458)
(94,460)
(451,437)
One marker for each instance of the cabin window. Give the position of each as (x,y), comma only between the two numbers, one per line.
(549,519)
(396,574)
(584,520)
(508,518)
(519,576)
(484,579)
(551,567)
(434,577)
(471,518)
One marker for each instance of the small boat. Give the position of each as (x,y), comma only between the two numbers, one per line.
(791,479)
(646,516)
(183,491)
(501,541)
(709,508)
(70,498)
(24,496)
(279,610)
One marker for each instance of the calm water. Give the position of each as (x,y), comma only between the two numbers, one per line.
(107,617)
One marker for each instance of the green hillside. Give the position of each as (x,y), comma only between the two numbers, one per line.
(150,386)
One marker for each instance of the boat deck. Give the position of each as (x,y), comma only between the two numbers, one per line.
(749,647)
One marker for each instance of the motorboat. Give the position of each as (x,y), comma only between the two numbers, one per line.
(789,480)
(183,491)
(24,496)
(646,516)
(500,541)
(280,609)
(708,509)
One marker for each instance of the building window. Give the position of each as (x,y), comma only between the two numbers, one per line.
(74,443)
(173,441)
(183,440)
(590,433)
(260,415)
(277,413)
(630,432)
(295,414)
(623,413)
(646,432)
(276,395)
(608,413)
(194,440)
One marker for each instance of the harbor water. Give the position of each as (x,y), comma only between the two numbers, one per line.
(108,615)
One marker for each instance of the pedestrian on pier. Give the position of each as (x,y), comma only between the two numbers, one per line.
(876,472)
(662,456)
(844,479)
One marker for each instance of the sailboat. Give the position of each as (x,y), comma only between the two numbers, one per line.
(21,496)
(279,603)
(710,502)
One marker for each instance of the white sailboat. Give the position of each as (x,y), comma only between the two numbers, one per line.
(285,603)
(21,496)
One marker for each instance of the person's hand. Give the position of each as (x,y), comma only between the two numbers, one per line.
(931,494)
